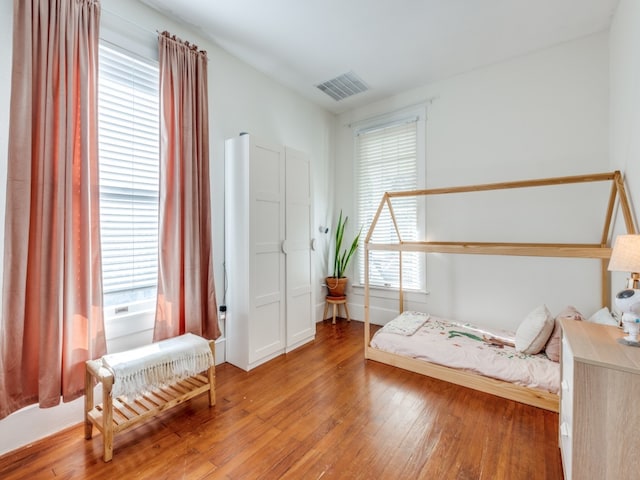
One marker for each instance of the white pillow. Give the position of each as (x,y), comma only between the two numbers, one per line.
(534,331)
(603,317)
(552,348)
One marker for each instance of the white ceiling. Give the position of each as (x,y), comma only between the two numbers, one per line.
(393,45)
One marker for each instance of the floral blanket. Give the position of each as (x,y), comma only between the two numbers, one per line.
(470,348)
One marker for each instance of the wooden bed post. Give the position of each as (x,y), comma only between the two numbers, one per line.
(400,289)
(617,191)
(397,229)
(624,203)
(605,296)
(367,332)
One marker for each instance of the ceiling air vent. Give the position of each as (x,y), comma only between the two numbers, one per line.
(343,86)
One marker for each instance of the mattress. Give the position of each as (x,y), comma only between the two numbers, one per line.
(466,347)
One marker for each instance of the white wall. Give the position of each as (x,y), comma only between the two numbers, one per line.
(625,106)
(241,99)
(625,97)
(540,115)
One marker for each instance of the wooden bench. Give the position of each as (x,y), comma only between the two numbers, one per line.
(114,415)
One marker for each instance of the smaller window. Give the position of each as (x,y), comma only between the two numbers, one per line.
(389,158)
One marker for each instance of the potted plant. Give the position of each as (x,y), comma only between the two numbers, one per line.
(337,283)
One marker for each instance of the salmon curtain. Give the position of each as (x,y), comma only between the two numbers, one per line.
(52,292)
(186,290)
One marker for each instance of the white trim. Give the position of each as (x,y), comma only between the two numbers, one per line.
(416,112)
(403,111)
(391,293)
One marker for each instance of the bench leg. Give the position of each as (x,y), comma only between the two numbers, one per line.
(107,421)
(346,309)
(88,404)
(211,373)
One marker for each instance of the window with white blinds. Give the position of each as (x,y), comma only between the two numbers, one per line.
(387,161)
(128,127)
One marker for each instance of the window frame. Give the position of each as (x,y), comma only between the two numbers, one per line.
(140,311)
(417,113)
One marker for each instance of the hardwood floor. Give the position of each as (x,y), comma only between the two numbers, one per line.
(319,412)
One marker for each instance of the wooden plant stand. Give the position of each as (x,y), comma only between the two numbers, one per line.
(114,415)
(336,302)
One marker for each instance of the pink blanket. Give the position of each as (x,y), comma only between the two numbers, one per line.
(465,347)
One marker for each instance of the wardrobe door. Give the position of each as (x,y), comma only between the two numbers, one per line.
(299,294)
(267,263)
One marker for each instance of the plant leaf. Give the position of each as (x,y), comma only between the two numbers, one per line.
(343,257)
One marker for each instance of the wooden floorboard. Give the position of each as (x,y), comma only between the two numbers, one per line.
(321,411)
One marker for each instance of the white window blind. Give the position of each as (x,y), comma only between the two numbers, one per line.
(128,124)
(387,161)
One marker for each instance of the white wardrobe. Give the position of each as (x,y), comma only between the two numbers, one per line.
(268,251)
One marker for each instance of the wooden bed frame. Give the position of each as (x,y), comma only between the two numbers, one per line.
(599,251)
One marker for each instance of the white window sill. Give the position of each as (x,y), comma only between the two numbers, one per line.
(391,293)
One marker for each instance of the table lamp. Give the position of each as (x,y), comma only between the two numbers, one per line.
(625,257)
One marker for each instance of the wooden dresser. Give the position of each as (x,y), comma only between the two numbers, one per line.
(599,404)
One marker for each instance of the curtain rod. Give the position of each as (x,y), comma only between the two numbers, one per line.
(155,33)
(138,26)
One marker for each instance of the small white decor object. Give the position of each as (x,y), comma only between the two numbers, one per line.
(628,302)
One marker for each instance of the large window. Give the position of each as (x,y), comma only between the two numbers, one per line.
(388,159)
(128,101)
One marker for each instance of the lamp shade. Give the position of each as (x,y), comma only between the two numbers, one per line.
(625,256)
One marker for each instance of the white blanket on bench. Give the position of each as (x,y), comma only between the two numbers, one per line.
(136,371)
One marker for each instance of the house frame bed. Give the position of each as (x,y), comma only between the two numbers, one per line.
(598,251)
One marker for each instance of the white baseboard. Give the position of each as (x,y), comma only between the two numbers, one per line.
(33,423)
